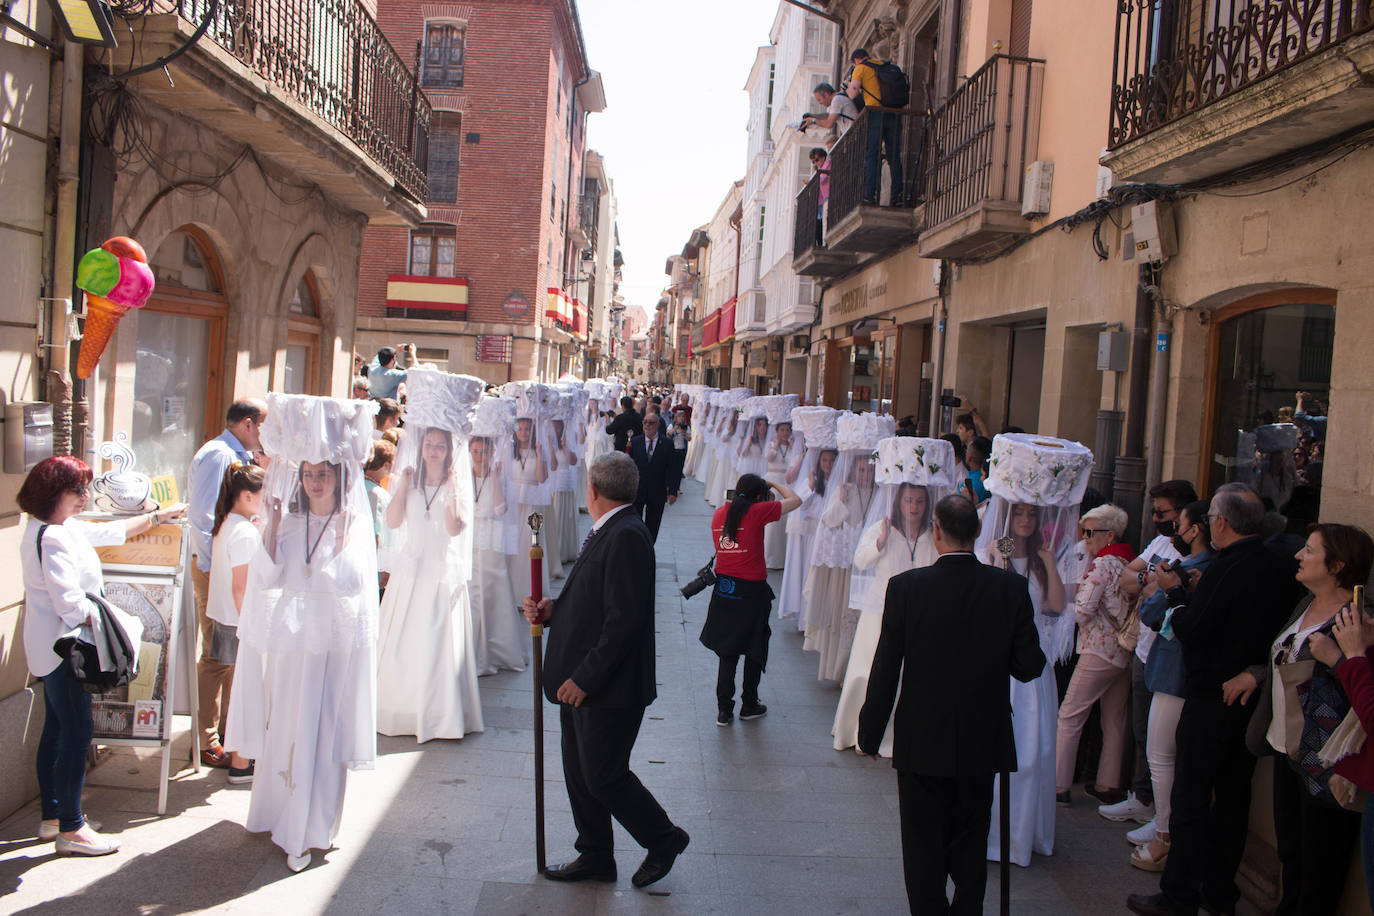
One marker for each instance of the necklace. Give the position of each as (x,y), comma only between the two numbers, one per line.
(309,549)
(865,502)
(429,500)
(477,500)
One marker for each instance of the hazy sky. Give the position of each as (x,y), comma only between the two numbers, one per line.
(673,132)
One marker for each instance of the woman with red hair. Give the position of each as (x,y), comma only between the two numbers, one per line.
(60,569)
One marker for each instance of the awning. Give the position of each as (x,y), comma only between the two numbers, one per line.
(710,331)
(727,320)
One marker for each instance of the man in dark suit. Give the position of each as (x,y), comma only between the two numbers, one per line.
(660,473)
(599,668)
(958,628)
(627,423)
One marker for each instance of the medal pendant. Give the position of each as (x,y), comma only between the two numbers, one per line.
(1005,545)
(308,570)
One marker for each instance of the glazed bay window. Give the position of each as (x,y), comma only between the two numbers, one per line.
(432,251)
(443,55)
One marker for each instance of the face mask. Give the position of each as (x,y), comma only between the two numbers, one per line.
(1166,528)
(1182,546)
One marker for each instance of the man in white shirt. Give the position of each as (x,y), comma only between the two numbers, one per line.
(840,111)
(239,442)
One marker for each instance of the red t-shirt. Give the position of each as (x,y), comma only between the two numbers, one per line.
(742,558)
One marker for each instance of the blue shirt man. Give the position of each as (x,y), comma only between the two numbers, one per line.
(238,442)
(384,376)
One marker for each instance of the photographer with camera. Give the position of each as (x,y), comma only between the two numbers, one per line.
(385,376)
(840,112)
(737,620)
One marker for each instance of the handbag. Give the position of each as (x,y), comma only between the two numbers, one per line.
(81,655)
(1128,634)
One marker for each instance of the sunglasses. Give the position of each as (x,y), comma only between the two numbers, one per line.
(1092,531)
(1164,514)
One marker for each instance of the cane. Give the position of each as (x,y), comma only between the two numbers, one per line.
(1004,838)
(536,521)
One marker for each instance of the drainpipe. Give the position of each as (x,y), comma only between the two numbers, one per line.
(1159,390)
(1129,489)
(57,379)
(937,376)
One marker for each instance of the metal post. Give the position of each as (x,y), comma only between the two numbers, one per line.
(536,521)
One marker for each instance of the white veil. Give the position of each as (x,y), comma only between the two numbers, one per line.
(851,494)
(497,523)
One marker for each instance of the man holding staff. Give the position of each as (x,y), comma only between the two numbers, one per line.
(599,668)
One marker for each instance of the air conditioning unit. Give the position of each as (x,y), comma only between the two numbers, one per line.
(1035,190)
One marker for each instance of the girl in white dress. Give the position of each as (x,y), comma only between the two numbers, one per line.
(723,475)
(781,454)
(801,527)
(426,662)
(897,538)
(832,560)
(564,495)
(749,453)
(304,706)
(499,632)
(528,472)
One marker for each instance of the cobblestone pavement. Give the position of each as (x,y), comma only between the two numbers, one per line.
(780,822)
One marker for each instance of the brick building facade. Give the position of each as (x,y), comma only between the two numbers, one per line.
(511,88)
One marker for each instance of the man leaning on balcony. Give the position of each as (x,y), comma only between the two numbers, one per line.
(884,130)
(840,113)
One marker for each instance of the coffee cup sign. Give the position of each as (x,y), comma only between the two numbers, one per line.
(126,489)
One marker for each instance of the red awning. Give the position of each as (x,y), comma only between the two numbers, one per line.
(710,330)
(727,320)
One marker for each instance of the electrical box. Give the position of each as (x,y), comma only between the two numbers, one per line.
(1113,351)
(1152,223)
(1035,189)
(28,435)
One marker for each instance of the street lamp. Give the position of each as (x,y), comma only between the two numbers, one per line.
(84,21)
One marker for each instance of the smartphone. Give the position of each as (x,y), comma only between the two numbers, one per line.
(949,400)
(729,495)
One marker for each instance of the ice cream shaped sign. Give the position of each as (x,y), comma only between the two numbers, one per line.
(116,278)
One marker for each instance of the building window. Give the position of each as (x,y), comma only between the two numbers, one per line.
(443,54)
(768,112)
(432,250)
(820,41)
(444,139)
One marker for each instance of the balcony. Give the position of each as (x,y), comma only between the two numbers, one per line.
(752,316)
(799,308)
(315,86)
(583,230)
(980,143)
(810,257)
(1203,88)
(855,220)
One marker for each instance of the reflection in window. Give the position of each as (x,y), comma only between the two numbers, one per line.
(180,262)
(443,54)
(1272,386)
(169,393)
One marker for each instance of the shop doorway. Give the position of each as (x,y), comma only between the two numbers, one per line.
(1269,372)
(179,358)
(1025,369)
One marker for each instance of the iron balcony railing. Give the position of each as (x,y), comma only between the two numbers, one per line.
(331,57)
(1174,57)
(588,206)
(848,157)
(981,140)
(808,228)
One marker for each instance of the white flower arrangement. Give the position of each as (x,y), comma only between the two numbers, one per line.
(301,427)
(495,418)
(1041,470)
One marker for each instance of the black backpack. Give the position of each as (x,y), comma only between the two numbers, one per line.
(82,658)
(893,85)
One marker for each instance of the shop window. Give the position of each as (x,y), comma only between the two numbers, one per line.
(445,138)
(1271,384)
(444,51)
(432,251)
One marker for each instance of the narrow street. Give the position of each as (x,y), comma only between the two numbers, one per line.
(780,822)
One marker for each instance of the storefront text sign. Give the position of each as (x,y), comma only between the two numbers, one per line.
(160,546)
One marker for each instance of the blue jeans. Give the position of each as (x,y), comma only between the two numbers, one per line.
(62,749)
(884,130)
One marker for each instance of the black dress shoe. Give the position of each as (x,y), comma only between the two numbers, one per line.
(580,869)
(657,864)
(1151,905)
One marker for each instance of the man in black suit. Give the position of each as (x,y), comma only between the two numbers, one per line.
(660,473)
(599,668)
(627,423)
(958,628)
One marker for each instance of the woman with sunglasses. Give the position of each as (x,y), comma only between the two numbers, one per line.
(61,568)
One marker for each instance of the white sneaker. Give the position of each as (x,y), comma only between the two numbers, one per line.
(1142,835)
(1132,809)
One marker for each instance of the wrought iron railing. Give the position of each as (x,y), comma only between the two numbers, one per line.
(587,214)
(808,218)
(981,140)
(1174,57)
(331,57)
(848,175)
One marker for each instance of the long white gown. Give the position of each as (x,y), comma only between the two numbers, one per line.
(518,564)
(426,662)
(1034,721)
(305,717)
(499,630)
(898,556)
(780,458)
(797,563)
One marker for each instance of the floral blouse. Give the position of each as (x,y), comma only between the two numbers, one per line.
(1101,607)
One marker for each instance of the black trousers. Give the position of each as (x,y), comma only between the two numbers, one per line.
(596,765)
(725,682)
(1314,842)
(652,514)
(945,823)
(1211,804)
(1141,697)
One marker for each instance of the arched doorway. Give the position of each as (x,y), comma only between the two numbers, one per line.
(1269,377)
(178,364)
(301,366)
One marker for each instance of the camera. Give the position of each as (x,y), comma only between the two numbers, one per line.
(706,577)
